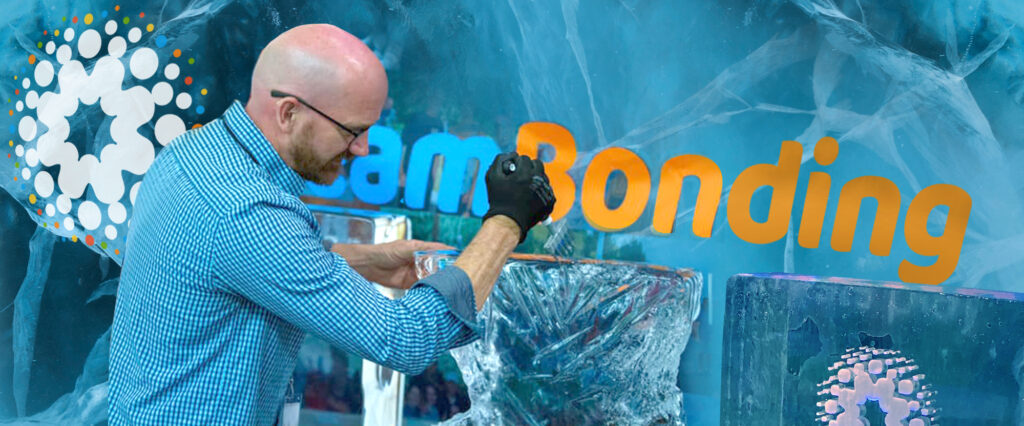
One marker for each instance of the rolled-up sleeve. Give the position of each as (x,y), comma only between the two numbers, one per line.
(455,287)
(269,253)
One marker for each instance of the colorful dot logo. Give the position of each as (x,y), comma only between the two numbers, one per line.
(122,68)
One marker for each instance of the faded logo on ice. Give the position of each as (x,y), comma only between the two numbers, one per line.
(105,72)
(882,376)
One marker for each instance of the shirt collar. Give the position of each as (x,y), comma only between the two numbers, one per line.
(251,138)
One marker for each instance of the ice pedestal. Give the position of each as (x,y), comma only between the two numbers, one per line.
(809,350)
(577,342)
(381,386)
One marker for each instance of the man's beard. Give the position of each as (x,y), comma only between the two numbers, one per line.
(307,164)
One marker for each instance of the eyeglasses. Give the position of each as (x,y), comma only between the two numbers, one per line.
(280,94)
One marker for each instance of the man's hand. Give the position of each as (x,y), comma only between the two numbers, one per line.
(520,196)
(518,188)
(390,264)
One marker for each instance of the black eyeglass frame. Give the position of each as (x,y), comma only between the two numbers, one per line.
(280,94)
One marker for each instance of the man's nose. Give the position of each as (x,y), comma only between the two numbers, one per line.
(361,145)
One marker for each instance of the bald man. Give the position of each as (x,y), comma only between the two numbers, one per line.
(224,272)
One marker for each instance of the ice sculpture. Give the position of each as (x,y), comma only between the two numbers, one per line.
(577,342)
(835,351)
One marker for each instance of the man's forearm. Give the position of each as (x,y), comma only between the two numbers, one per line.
(371,262)
(359,256)
(483,259)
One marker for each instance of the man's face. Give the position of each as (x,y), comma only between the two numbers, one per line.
(321,149)
(329,125)
(321,159)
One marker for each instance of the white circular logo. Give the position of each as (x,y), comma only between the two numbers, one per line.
(99,78)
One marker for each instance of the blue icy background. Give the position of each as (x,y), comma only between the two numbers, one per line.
(920,92)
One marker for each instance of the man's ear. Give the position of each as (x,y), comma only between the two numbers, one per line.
(284,114)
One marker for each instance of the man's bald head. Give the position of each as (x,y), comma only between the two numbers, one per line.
(330,69)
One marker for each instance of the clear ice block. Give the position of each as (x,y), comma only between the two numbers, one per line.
(577,342)
(834,351)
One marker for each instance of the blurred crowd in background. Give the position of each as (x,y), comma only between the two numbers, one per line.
(434,395)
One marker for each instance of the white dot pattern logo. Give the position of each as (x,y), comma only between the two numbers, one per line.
(144,63)
(43,74)
(117,213)
(63,54)
(162,93)
(881,375)
(89,44)
(44,184)
(116,47)
(63,203)
(171,71)
(89,215)
(134,35)
(129,78)
(183,101)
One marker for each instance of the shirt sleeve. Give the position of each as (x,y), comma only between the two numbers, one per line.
(270,253)
(456,289)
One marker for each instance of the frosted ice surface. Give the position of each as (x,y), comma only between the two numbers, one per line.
(87,403)
(106,288)
(580,342)
(26,312)
(841,350)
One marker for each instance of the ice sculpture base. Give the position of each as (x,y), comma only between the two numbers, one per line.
(577,342)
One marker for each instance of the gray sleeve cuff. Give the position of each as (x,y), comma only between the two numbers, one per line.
(456,289)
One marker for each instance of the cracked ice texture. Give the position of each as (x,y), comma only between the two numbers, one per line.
(577,342)
(900,87)
(919,91)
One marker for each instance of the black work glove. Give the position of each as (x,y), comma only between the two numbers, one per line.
(518,188)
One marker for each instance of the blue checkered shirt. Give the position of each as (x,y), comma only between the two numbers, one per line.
(224,273)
